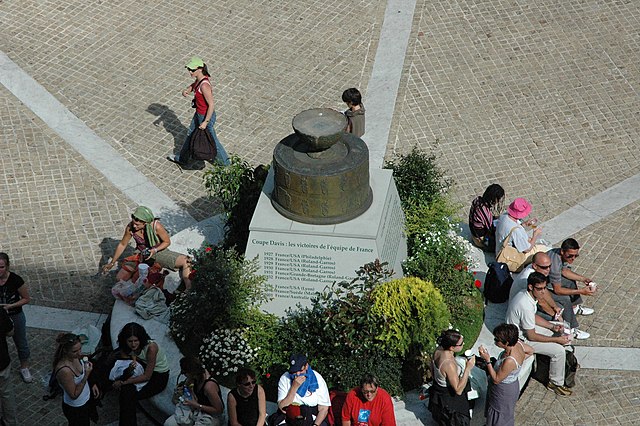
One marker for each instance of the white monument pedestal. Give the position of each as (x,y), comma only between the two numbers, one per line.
(299,259)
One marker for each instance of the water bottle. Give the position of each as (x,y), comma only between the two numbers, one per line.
(143,271)
(186,392)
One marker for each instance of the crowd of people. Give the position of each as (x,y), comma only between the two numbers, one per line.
(544,301)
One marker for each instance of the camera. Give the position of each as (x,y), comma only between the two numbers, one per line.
(482,364)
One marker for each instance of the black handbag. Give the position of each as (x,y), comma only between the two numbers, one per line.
(202,145)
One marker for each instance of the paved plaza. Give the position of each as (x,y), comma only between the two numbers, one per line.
(540,96)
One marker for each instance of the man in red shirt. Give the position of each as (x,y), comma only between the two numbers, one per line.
(368,405)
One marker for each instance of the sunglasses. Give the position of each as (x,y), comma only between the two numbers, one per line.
(192,69)
(543,266)
(249,383)
(369,392)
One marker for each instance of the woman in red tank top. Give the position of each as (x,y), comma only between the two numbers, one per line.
(205,114)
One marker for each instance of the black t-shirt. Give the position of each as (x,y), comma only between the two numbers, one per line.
(6,325)
(9,292)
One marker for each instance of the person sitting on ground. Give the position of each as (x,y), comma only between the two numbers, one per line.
(509,225)
(206,398)
(304,390)
(355,113)
(448,401)
(135,343)
(563,286)
(484,210)
(152,241)
(72,372)
(247,403)
(368,404)
(504,387)
(543,336)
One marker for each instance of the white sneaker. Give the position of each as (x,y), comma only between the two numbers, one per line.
(26,375)
(579,334)
(582,310)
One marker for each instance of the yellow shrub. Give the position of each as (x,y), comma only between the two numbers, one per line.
(413,312)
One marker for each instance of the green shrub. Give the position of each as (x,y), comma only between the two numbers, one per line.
(345,373)
(339,332)
(238,188)
(413,313)
(436,253)
(418,178)
(439,257)
(223,182)
(225,289)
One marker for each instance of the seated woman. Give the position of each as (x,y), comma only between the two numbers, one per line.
(504,388)
(448,395)
(134,342)
(484,210)
(151,240)
(207,397)
(509,231)
(73,375)
(246,403)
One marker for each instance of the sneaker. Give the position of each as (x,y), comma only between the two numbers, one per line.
(582,310)
(559,390)
(579,334)
(26,375)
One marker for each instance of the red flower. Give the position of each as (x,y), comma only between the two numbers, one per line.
(208,249)
(267,375)
(477,283)
(460,266)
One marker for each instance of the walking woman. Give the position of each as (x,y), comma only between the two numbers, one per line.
(73,375)
(14,294)
(134,342)
(504,387)
(448,395)
(205,114)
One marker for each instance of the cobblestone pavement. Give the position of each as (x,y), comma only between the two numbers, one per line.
(540,96)
(545,90)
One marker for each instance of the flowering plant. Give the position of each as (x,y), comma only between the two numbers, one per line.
(224,351)
(225,288)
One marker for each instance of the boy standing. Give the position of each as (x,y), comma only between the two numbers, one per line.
(355,113)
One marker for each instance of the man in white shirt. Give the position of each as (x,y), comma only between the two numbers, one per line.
(301,386)
(538,332)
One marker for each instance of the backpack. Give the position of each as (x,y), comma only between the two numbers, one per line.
(497,283)
(541,370)
(202,146)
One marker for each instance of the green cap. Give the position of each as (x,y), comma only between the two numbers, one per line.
(195,63)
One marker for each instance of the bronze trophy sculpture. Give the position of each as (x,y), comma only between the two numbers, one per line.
(321,173)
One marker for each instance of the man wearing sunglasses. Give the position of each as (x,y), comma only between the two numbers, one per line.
(545,337)
(563,285)
(547,307)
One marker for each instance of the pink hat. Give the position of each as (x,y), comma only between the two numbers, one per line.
(519,208)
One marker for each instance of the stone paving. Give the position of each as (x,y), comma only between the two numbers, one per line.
(541,88)
(520,92)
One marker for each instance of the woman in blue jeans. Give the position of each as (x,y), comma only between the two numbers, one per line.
(14,294)
(205,115)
